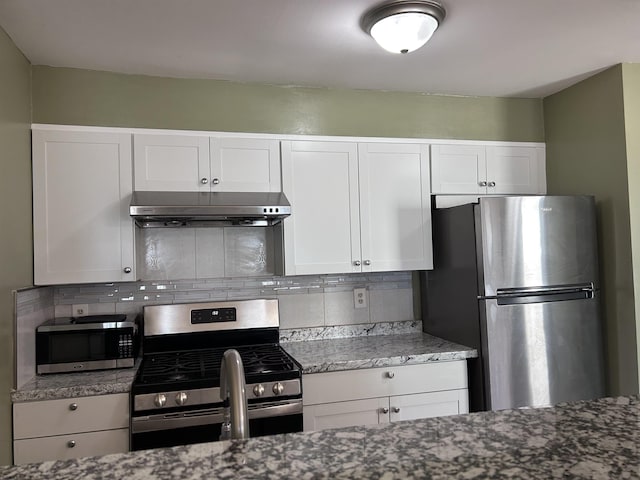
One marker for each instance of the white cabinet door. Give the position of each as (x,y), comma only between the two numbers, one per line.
(458,169)
(171,163)
(431,404)
(245,165)
(395,207)
(488,170)
(63,447)
(346,414)
(82,184)
(515,170)
(322,235)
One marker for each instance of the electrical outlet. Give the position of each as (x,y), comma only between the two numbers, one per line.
(80,310)
(360,297)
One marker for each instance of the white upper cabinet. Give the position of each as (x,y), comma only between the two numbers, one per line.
(487,170)
(171,163)
(322,235)
(81,191)
(245,165)
(356,207)
(395,208)
(201,163)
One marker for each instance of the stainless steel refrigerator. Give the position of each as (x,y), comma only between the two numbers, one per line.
(517,279)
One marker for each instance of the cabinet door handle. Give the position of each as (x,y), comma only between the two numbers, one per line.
(357,263)
(395,409)
(73,406)
(384,410)
(390,374)
(127,269)
(71,443)
(215,181)
(204,181)
(492,184)
(482,184)
(367,262)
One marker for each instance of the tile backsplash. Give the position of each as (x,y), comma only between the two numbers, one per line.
(311,306)
(305,301)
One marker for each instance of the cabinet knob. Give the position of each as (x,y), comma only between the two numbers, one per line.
(71,443)
(204,181)
(482,184)
(395,409)
(492,184)
(73,406)
(357,263)
(127,269)
(384,410)
(390,374)
(215,181)
(367,262)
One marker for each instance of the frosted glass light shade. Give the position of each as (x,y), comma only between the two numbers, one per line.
(404,32)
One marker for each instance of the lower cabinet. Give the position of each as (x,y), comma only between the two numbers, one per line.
(381,395)
(70,428)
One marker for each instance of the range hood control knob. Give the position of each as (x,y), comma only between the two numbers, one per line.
(181,398)
(160,400)
(258,390)
(278,388)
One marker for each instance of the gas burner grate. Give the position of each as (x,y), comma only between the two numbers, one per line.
(192,365)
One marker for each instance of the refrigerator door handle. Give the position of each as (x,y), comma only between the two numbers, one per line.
(518,296)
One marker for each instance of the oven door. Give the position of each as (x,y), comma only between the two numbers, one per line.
(204,425)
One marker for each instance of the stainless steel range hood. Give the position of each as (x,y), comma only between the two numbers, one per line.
(197,209)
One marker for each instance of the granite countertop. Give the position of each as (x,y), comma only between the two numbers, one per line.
(323,355)
(72,385)
(582,440)
(374,351)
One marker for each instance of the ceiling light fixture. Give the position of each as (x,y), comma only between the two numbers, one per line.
(403,26)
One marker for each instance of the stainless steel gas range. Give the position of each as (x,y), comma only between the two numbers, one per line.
(176,392)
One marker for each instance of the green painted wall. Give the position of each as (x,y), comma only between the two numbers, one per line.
(586,154)
(84,97)
(16,255)
(631,89)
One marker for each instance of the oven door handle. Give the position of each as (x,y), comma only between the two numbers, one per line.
(168,421)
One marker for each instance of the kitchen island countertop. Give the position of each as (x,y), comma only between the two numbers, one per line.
(597,439)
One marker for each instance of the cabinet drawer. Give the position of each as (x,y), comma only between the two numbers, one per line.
(346,414)
(59,447)
(379,382)
(59,417)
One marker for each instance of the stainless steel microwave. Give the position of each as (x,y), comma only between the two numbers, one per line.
(94,342)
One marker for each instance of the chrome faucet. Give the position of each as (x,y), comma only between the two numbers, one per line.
(232,391)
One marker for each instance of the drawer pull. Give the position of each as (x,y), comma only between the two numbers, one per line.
(73,406)
(71,443)
(395,409)
(390,374)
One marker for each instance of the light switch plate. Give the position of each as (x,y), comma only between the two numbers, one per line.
(360,297)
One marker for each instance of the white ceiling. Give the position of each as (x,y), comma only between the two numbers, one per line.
(510,48)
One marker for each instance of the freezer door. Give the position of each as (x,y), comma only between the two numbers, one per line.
(538,354)
(536,241)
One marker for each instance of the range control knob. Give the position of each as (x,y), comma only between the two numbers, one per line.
(181,398)
(258,390)
(160,400)
(278,388)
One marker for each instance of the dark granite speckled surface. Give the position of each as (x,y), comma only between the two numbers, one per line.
(599,439)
